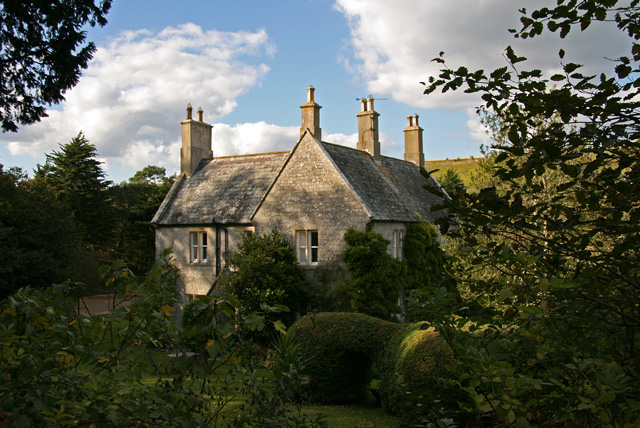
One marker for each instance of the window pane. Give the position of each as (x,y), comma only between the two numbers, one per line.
(193,237)
(301,244)
(301,236)
(314,255)
(314,238)
(204,239)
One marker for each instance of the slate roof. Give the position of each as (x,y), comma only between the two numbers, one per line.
(224,190)
(228,190)
(390,191)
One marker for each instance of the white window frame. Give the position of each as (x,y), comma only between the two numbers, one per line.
(305,249)
(198,246)
(397,244)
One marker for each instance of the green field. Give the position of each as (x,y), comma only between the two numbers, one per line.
(463,166)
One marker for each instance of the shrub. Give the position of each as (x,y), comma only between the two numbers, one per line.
(374,283)
(414,380)
(344,347)
(341,348)
(266,271)
(199,318)
(424,258)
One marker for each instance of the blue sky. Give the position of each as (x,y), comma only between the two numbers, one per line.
(248,64)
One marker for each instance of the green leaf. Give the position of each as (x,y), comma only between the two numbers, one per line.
(280,327)
(254,322)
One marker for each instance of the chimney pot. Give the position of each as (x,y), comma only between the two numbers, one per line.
(196,142)
(368,129)
(413,146)
(311,115)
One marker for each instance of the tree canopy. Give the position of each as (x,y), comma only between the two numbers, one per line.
(265,270)
(39,238)
(42,54)
(78,177)
(134,203)
(551,243)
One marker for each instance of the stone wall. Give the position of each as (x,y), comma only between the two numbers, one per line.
(197,278)
(386,230)
(310,194)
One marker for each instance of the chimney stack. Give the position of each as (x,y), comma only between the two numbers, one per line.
(196,142)
(368,129)
(413,150)
(311,115)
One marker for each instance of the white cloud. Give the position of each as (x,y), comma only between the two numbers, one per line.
(128,99)
(394,42)
(247,138)
(348,140)
(477,129)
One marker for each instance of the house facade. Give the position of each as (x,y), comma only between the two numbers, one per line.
(312,194)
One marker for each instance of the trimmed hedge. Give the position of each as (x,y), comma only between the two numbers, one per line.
(342,349)
(413,373)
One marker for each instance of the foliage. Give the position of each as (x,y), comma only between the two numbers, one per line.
(135,203)
(451,182)
(42,54)
(344,349)
(64,368)
(550,246)
(341,348)
(39,239)
(77,177)
(424,259)
(286,365)
(266,272)
(414,379)
(374,280)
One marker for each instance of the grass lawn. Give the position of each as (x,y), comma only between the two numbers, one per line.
(353,416)
(338,416)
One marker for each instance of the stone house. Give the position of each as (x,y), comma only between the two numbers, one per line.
(312,194)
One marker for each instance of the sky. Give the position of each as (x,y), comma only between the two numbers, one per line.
(248,63)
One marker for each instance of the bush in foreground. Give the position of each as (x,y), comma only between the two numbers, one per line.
(344,349)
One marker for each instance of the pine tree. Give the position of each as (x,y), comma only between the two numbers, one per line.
(80,183)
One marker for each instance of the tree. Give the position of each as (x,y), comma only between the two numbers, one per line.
(151,174)
(557,235)
(451,182)
(79,181)
(135,203)
(374,276)
(40,242)
(265,271)
(42,54)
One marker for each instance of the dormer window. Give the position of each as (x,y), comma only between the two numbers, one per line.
(198,246)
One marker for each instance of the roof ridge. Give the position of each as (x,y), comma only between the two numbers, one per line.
(362,151)
(251,155)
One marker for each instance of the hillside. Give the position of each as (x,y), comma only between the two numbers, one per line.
(463,166)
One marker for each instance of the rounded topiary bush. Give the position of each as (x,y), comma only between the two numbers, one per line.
(413,372)
(339,350)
